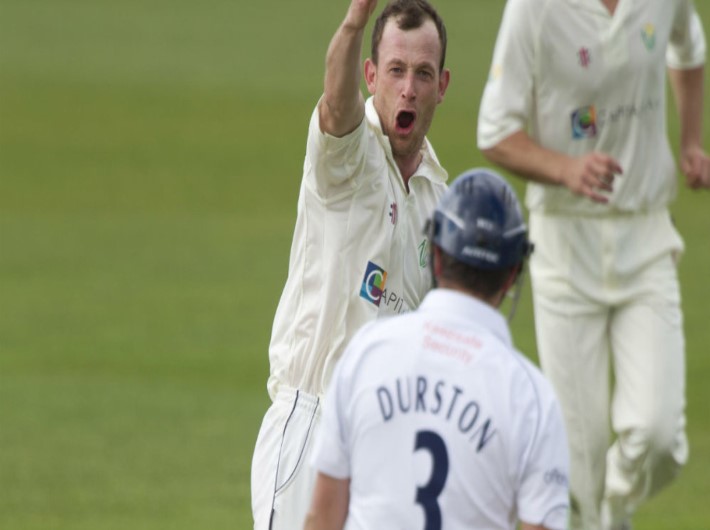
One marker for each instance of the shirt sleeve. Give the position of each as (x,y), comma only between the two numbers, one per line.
(543,496)
(331,162)
(507,97)
(687,46)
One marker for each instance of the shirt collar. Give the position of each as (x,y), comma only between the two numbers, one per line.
(595,6)
(463,305)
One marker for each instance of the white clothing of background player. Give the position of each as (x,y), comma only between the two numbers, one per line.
(433,420)
(370,182)
(576,104)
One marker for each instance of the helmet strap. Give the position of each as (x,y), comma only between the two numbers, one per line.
(514,292)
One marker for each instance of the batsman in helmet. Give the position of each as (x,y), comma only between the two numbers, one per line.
(433,419)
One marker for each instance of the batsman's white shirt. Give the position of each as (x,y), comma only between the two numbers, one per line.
(579,80)
(358,250)
(434,415)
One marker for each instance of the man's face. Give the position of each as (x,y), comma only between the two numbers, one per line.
(407,84)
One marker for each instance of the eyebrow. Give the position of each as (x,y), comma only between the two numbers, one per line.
(417,66)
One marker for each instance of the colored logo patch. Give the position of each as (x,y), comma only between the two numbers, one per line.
(584,123)
(495,72)
(373,284)
(424,253)
(584,57)
(648,36)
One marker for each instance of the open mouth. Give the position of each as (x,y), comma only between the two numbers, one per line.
(405,120)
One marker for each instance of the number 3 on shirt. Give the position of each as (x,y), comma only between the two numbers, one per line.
(428,494)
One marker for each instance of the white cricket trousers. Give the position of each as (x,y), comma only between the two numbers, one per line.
(606,288)
(282,478)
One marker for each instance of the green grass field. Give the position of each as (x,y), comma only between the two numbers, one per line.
(150,160)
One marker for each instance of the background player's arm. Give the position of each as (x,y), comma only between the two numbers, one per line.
(342,108)
(584,175)
(329,506)
(505,112)
(688,91)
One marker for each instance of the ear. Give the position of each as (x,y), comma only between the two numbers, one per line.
(444,79)
(370,75)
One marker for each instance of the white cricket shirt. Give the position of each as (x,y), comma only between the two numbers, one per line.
(358,249)
(434,414)
(579,79)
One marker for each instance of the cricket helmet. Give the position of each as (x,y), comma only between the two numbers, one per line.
(479,222)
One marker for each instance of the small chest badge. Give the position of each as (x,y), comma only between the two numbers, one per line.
(393,213)
(648,36)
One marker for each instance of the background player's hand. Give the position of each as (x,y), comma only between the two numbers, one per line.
(359,13)
(591,174)
(695,164)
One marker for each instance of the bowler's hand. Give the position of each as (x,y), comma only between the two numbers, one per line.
(359,13)
(590,174)
(695,164)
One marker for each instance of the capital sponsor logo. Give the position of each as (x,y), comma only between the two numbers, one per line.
(373,283)
(584,122)
(393,302)
(648,36)
(588,122)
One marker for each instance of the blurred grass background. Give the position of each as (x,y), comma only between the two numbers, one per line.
(150,160)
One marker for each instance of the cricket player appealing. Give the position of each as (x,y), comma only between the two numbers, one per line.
(576,104)
(433,420)
(370,181)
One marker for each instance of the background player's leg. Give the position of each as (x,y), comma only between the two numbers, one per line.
(648,408)
(571,325)
(574,355)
